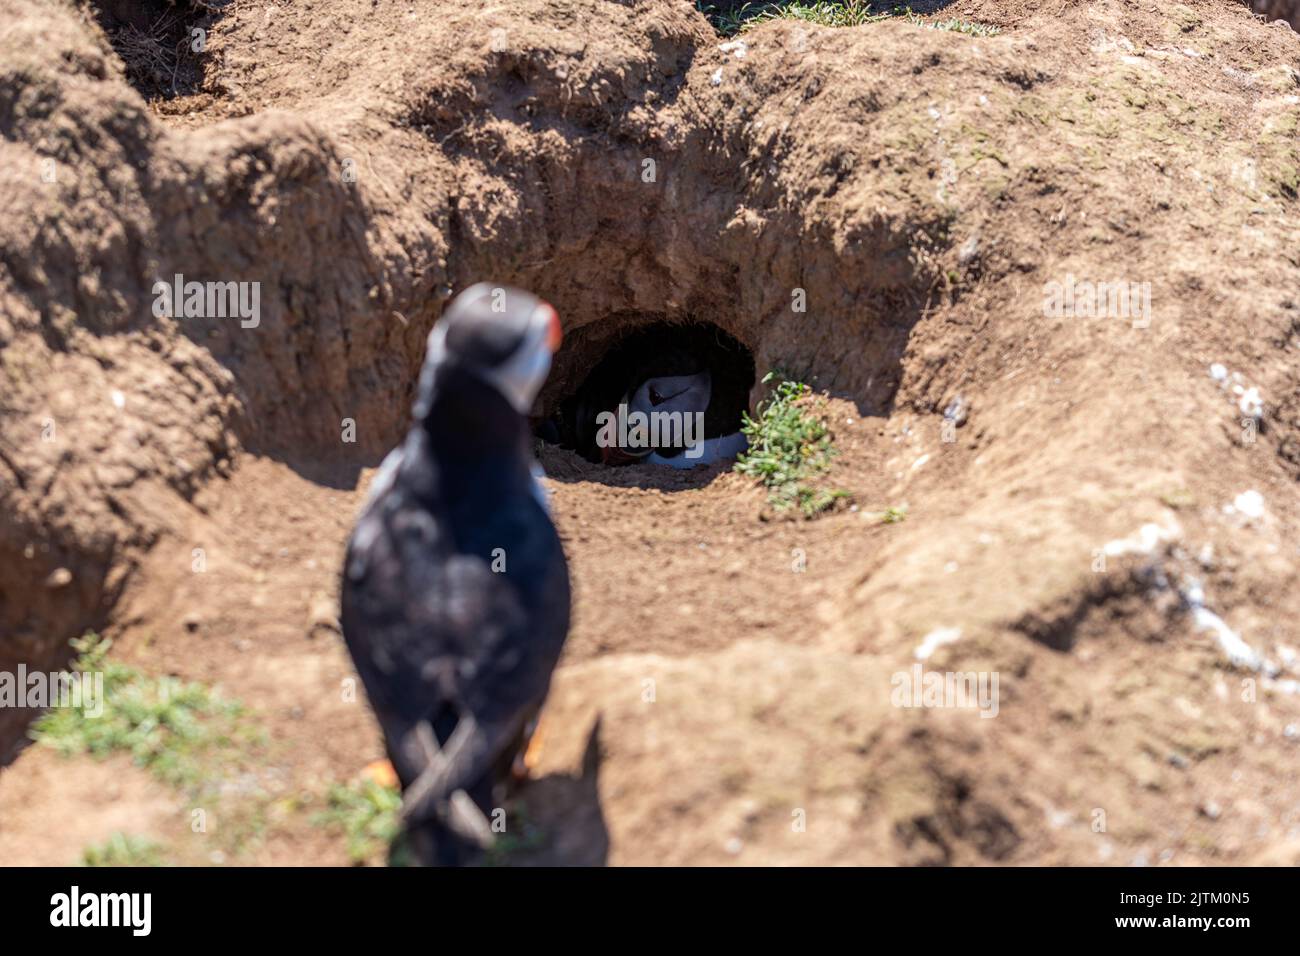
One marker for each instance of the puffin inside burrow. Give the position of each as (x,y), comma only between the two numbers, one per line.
(694,372)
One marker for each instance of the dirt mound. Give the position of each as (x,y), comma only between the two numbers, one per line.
(917,221)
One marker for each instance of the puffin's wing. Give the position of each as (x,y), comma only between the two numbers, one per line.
(468,624)
(513,657)
(398,571)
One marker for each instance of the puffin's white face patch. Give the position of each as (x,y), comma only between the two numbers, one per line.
(521,378)
(435,350)
(673,393)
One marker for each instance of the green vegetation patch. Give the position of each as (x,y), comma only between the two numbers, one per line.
(124,849)
(368,813)
(182,732)
(789,446)
(730,19)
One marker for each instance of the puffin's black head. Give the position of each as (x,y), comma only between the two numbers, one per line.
(503,336)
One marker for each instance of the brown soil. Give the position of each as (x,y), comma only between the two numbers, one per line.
(921,186)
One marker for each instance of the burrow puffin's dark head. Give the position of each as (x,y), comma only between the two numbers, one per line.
(503,336)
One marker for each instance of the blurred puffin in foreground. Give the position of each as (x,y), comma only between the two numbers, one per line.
(455,595)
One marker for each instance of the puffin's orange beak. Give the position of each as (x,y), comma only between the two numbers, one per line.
(554,334)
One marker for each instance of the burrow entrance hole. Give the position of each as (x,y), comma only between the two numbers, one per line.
(162,43)
(690,380)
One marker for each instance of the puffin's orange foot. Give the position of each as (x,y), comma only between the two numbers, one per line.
(531,754)
(380,772)
(614,455)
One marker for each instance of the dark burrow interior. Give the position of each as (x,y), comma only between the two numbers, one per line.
(162,43)
(696,371)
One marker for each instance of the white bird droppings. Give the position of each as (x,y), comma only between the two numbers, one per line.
(1238,651)
(1251,403)
(1149,537)
(935,640)
(1248,503)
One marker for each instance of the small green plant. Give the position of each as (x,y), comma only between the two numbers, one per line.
(788,446)
(369,814)
(827,13)
(1178,498)
(523,836)
(124,849)
(731,19)
(953,25)
(181,732)
(893,515)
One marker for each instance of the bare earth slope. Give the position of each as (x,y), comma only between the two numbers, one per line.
(1084,535)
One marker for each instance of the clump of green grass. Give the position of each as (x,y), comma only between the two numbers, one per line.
(523,836)
(124,849)
(368,813)
(731,19)
(181,732)
(893,515)
(952,25)
(728,20)
(826,13)
(788,447)
(734,19)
